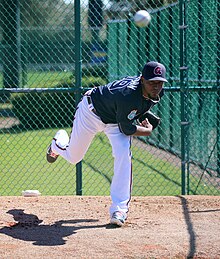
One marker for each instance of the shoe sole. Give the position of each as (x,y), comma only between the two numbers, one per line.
(50,159)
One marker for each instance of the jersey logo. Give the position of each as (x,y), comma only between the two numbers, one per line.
(132,114)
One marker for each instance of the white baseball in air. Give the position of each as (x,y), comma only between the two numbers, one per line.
(142,18)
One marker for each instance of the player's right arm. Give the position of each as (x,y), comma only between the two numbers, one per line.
(128,127)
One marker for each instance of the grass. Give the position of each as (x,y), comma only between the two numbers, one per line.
(23,166)
(43,79)
(49,79)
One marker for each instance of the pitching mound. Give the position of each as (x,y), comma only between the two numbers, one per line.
(77,227)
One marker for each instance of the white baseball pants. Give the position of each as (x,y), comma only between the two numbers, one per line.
(85,126)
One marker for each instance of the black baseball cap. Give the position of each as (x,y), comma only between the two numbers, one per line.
(154,71)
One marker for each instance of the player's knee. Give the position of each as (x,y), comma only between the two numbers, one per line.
(71,161)
(74,159)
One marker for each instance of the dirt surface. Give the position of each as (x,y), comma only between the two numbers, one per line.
(77,227)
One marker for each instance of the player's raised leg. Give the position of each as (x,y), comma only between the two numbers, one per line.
(85,125)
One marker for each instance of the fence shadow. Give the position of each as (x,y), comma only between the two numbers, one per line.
(190,229)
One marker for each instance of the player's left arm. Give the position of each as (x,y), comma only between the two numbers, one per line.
(146,124)
(150,117)
(126,120)
(143,128)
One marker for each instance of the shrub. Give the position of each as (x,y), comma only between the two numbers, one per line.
(49,110)
(44,110)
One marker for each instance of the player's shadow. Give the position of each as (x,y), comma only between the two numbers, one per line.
(29,227)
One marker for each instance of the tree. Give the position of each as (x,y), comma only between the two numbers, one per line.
(42,13)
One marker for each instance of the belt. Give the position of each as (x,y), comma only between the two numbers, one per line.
(89,99)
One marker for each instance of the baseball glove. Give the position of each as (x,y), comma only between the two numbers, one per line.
(152,118)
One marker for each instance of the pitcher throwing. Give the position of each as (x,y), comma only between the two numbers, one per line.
(121,110)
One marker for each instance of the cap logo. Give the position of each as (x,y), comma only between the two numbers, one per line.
(158,71)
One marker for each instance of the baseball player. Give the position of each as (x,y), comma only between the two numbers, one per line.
(119,109)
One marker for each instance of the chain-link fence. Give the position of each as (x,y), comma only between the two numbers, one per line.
(52,51)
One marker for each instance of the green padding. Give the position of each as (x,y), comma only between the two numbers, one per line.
(122,49)
(112,51)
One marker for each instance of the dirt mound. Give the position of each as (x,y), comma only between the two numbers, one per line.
(77,227)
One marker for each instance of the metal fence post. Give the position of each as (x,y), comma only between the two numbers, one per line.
(12,44)
(218,92)
(78,79)
(183,96)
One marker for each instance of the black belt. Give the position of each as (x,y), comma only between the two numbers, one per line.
(89,99)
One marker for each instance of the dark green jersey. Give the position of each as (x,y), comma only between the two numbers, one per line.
(122,102)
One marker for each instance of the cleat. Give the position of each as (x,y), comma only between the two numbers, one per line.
(51,157)
(61,141)
(118,218)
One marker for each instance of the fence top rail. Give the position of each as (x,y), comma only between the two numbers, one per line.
(192,80)
(82,89)
(40,90)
